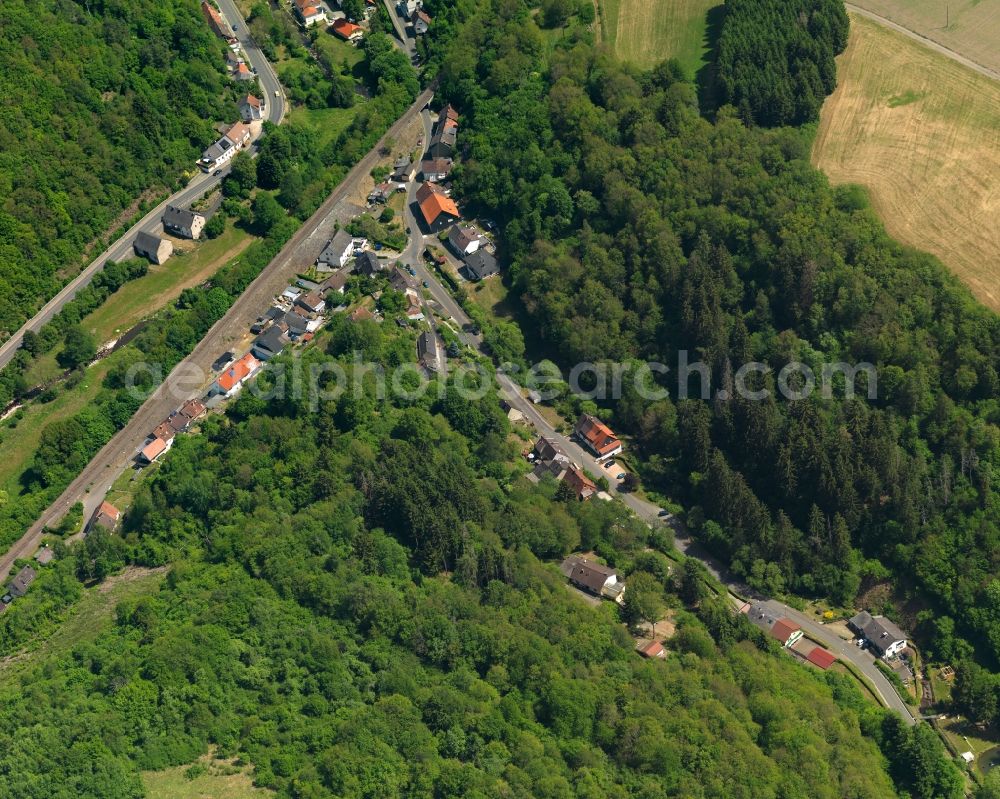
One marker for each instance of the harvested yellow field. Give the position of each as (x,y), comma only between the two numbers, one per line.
(969,27)
(922,134)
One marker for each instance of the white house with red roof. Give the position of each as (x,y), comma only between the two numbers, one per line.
(597,437)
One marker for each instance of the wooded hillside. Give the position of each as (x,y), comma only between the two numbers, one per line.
(104,100)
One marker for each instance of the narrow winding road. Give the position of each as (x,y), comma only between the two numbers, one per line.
(150,223)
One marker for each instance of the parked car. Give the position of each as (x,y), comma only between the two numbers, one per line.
(663,512)
(216,173)
(620,476)
(427,285)
(411,270)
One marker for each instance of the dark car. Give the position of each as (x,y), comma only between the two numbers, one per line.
(663,512)
(216,173)
(427,285)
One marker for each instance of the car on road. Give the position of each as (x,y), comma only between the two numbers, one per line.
(216,173)
(427,285)
(411,270)
(275,92)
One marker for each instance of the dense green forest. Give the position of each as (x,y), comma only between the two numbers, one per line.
(635,228)
(306,625)
(774,58)
(104,100)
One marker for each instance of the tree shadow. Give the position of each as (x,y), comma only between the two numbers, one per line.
(705,78)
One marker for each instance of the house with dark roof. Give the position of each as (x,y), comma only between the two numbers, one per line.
(882,635)
(547,449)
(152,247)
(311,302)
(398,278)
(22,581)
(402,169)
(367,263)
(339,250)
(106,516)
(481,264)
(435,170)
(182,222)
(597,437)
(463,240)
(269,344)
(333,284)
(427,350)
(594,578)
(785,631)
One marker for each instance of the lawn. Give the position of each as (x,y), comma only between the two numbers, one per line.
(338,51)
(972,28)
(88,618)
(922,134)
(326,124)
(164,283)
(646,32)
(966,737)
(207,779)
(18,444)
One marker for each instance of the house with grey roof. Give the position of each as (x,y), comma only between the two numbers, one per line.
(881,634)
(463,240)
(22,581)
(151,247)
(182,222)
(269,344)
(339,250)
(367,264)
(427,350)
(481,264)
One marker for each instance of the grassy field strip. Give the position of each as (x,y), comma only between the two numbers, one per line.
(646,32)
(86,619)
(163,284)
(972,25)
(206,779)
(922,134)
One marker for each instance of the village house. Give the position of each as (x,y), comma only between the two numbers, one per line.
(654,649)
(547,449)
(463,240)
(437,209)
(308,13)
(182,222)
(106,516)
(427,351)
(481,264)
(243,72)
(444,136)
(583,487)
(785,631)
(164,430)
(383,192)
(215,21)
(231,381)
(311,302)
(398,278)
(155,448)
(269,344)
(192,410)
(421,21)
(367,263)
(233,59)
(513,414)
(333,285)
(22,581)
(405,8)
(402,169)
(45,555)
(597,437)
(347,31)
(434,170)
(360,314)
(225,148)
(819,657)
(884,638)
(251,108)
(594,578)
(339,250)
(152,247)
(414,308)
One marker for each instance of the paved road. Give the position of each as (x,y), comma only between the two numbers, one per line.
(646,511)
(189,378)
(409,43)
(924,40)
(150,223)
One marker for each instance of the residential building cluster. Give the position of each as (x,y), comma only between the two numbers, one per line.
(161,439)
(222,151)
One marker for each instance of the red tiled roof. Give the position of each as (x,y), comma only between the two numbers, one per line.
(437,204)
(597,434)
(345,29)
(820,657)
(109,510)
(154,449)
(251,100)
(582,485)
(238,372)
(783,629)
(652,650)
